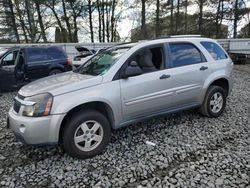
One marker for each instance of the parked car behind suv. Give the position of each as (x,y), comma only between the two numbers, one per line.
(19,65)
(119,86)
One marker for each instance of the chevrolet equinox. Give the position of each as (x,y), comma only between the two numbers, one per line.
(121,85)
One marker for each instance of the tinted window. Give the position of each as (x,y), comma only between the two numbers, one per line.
(215,50)
(36,54)
(184,54)
(9,59)
(55,53)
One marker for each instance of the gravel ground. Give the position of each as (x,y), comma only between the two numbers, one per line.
(190,151)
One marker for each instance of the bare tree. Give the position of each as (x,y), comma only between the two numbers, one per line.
(40,20)
(186,14)
(177,15)
(157,19)
(99,20)
(236,18)
(143,19)
(200,21)
(90,10)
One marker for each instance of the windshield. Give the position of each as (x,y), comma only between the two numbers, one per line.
(103,61)
(2,51)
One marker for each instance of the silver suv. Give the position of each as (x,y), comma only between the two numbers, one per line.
(119,86)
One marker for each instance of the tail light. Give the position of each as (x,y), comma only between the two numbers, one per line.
(69,61)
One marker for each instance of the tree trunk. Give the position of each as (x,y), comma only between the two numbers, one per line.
(186,6)
(99,20)
(19,14)
(90,21)
(171,16)
(103,21)
(200,16)
(143,20)
(157,19)
(107,20)
(236,18)
(40,21)
(248,34)
(31,22)
(222,12)
(177,17)
(217,19)
(13,21)
(75,35)
(113,21)
(67,21)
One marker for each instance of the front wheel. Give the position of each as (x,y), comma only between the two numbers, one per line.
(214,102)
(86,134)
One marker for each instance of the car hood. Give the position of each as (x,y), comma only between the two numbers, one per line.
(60,84)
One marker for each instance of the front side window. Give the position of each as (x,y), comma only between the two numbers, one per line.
(150,59)
(215,50)
(185,54)
(103,61)
(9,59)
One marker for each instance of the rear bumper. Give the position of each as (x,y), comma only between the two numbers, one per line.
(35,130)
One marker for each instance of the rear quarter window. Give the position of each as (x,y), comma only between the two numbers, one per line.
(185,54)
(215,50)
(36,54)
(56,53)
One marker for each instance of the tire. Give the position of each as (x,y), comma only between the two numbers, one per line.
(212,107)
(54,72)
(81,138)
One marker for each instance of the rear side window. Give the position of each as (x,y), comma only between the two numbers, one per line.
(185,54)
(215,50)
(36,54)
(55,53)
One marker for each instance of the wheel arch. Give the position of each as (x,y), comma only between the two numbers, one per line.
(222,82)
(99,106)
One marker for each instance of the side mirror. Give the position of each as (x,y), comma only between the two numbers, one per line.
(132,70)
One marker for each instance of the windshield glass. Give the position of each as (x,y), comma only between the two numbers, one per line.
(2,51)
(103,61)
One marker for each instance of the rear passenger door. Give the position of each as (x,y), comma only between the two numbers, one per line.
(189,70)
(36,63)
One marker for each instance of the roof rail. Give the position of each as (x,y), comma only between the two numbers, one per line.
(183,36)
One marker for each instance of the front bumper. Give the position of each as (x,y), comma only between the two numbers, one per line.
(35,130)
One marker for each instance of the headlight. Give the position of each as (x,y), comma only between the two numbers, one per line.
(43,103)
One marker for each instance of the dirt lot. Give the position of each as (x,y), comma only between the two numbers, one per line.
(191,150)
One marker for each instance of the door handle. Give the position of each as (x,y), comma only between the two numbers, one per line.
(164,76)
(203,68)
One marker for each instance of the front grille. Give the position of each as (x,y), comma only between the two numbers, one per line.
(17,106)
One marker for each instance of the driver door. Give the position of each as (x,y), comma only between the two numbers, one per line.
(7,71)
(149,93)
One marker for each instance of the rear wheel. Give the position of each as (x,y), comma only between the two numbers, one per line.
(86,134)
(54,72)
(214,102)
